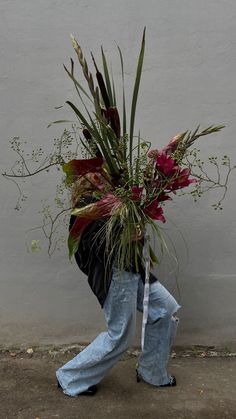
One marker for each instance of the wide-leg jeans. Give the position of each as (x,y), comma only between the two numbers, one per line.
(124,298)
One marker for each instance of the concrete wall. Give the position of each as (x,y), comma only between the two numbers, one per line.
(189,77)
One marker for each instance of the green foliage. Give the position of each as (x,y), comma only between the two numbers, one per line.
(135,97)
(216,179)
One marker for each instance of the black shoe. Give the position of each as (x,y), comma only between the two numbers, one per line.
(138,377)
(172,382)
(90,392)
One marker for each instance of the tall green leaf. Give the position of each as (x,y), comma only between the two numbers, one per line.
(113,90)
(123,88)
(107,77)
(70,74)
(91,128)
(80,116)
(137,169)
(135,97)
(103,142)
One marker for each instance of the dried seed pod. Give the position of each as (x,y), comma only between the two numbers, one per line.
(102,85)
(113,119)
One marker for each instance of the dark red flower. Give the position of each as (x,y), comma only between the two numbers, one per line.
(75,168)
(136,193)
(113,119)
(181,180)
(85,215)
(154,211)
(165,164)
(163,197)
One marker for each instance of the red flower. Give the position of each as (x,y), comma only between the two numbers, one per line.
(154,211)
(173,144)
(181,180)
(165,164)
(163,197)
(85,215)
(106,206)
(76,168)
(177,178)
(136,193)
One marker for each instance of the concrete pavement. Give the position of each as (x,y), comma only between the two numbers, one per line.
(206,388)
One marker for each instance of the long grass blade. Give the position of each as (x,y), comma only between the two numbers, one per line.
(59,121)
(94,132)
(137,168)
(103,142)
(107,77)
(135,96)
(113,90)
(80,116)
(77,83)
(123,88)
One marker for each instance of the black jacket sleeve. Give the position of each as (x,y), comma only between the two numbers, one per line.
(91,259)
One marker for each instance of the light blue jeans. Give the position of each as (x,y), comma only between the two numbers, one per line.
(125,296)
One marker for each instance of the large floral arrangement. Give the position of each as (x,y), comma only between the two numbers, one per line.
(129,182)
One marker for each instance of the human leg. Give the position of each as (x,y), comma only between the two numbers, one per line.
(90,366)
(160,332)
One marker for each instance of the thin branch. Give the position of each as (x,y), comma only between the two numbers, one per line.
(8,175)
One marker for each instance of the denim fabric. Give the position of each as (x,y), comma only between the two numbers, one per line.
(125,296)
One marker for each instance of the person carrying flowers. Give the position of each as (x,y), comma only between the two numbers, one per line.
(118,195)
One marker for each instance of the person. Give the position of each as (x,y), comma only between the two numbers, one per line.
(120,295)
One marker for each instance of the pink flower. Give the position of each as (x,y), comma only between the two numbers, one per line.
(165,164)
(181,180)
(154,211)
(173,144)
(107,205)
(152,154)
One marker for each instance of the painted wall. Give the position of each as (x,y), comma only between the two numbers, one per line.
(189,77)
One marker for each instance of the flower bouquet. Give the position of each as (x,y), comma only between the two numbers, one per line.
(129,181)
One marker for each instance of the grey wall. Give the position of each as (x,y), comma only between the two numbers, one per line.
(189,77)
